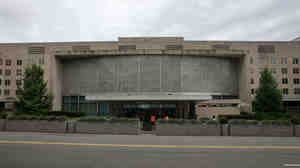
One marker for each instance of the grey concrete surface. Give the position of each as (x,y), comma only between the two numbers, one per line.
(188,129)
(148,74)
(26,155)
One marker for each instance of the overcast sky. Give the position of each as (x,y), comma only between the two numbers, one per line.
(99,20)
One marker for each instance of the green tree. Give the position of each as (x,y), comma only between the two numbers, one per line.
(267,101)
(33,97)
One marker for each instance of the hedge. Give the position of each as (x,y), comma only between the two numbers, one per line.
(183,121)
(33,117)
(276,122)
(105,119)
(295,120)
(3,116)
(243,122)
(66,113)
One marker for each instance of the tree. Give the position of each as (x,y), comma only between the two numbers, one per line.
(33,97)
(267,101)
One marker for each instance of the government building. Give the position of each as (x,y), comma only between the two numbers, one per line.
(161,75)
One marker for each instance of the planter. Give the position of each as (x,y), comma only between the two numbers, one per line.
(36,126)
(297,130)
(261,130)
(246,130)
(278,130)
(107,127)
(2,124)
(188,129)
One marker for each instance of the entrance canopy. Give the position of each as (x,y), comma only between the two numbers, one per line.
(149,96)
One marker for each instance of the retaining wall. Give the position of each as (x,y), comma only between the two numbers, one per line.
(261,130)
(188,129)
(297,130)
(108,127)
(2,124)
(36,126)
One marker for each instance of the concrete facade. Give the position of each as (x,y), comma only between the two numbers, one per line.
(153,68)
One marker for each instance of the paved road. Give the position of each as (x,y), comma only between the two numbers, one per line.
(93,151)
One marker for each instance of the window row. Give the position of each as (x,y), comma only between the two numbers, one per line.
(6,92)
(7,82)
(285,70)
(7,72)
(283,81)
(8,62)
(285,91)
(283,60)
(274,70)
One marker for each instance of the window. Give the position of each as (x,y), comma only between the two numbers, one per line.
(0,82)
(251,81)
(7,72)
(6,92)
(297,91)
(295,70)
(19,62)
(284,70)
(7,82)
(1,62)
(19,72)
(41,61)
(284,81)
(273,60)
(285,91)
(252,91)
(273,70)
(0,92)
(296,81)
(18,82)
(251,60)
(8,62)
(295,60)
(283,60)
(0,71)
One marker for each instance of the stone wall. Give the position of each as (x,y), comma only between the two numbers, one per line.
(106,127)
(261,130)
(188,129)
(297,130)
(2,124)
(36,126)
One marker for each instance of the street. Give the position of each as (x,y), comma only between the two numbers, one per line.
(88,150)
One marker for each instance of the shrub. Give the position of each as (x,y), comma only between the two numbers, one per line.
(123,119)
(172,121)
(66,113)
(244,116)
(295,120)
(223,120)
(33,117)
(94,118)
(105,119)
(3,116)
(183,121)
(276,122)
(204,118)
(243,122)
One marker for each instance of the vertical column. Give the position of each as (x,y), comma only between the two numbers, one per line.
(139,73)
(181,73)
(160,73)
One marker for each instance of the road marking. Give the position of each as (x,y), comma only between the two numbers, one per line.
(154,146)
